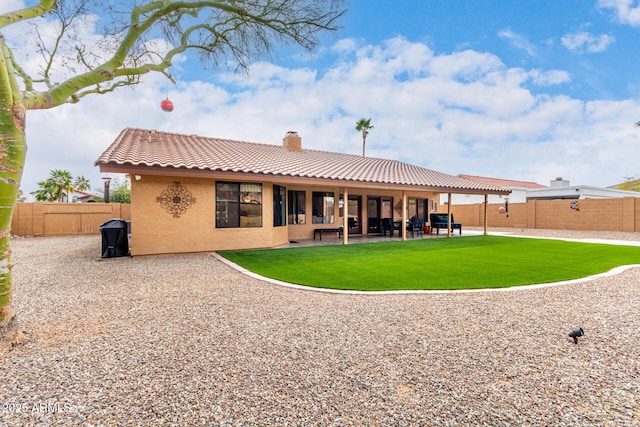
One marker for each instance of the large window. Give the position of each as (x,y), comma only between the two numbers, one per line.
(323,208)
(238,205)
(279,206)
(297,207)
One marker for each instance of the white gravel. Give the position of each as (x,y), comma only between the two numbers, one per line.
(185,340)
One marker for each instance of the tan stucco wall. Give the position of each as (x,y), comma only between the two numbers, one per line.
(155,231)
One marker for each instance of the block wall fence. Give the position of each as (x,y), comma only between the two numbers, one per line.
(621,214)
(59,219)
(62,219)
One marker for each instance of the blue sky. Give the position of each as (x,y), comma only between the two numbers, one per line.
(519,90)
(576,36)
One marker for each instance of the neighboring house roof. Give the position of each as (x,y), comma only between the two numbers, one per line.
(83,195)
(578,192)
(78,195)
(137,148)
(506,183)
(561,189)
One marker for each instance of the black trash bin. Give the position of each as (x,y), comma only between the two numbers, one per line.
(115,241)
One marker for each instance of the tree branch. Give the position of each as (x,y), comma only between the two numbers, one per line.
(25,14)
(240,30)
(8,82)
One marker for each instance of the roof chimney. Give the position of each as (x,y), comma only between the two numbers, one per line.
(559,182)
(292,141)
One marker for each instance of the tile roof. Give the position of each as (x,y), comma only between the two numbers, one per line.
(505,183)
(148,148)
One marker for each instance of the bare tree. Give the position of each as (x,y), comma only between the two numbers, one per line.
(137,37)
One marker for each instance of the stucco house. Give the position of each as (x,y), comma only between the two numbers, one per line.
(523,191)
(84,197)
(561,189)
(519,190)
(196,194)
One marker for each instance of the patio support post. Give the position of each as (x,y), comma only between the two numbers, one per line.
(403,224)
(449,215)
(345,216)
(486,207)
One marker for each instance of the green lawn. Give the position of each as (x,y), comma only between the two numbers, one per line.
(454,263)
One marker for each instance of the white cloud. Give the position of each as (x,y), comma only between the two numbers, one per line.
(11,5)
(467,65)
(463,112)
(407,57)
(28,38)
(549,78)
(345,46)
(587,42)
(627,11)
(518,41)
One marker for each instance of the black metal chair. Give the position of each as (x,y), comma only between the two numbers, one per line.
(416,225)
(388,225)
(353,223)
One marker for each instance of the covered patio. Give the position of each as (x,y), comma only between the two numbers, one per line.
(408,215)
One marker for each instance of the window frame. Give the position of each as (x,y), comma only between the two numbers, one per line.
(279,206)
(297,207)
(243,201)
(323,201)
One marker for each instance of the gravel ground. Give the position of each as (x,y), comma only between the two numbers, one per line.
(185,340)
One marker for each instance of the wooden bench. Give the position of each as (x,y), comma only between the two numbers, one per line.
(321,231)
(440,220)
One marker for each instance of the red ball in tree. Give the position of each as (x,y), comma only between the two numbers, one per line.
(166,105)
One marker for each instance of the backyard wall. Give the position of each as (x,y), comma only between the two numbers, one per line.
(59,219)
(621,214)
(56,219)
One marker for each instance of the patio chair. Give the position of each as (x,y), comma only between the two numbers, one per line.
(389,225)
(416,225)
(353,223)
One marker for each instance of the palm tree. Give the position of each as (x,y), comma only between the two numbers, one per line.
(364,125)
(63,181)
(81,183)
(60,184)
(46,191)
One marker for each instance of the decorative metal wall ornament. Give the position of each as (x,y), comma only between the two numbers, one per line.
(176,199)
